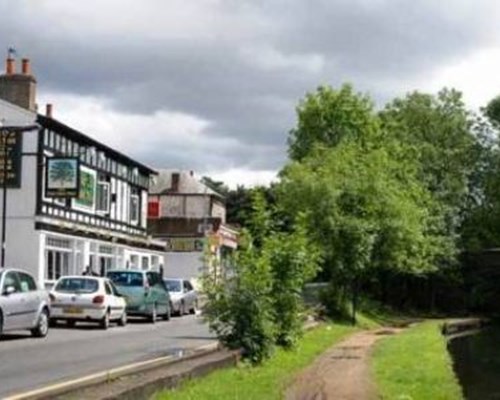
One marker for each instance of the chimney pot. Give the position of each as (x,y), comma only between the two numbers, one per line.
(175,182)
(48,110)
(25,66)
(10,66)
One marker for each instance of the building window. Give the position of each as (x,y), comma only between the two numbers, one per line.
(59,242)
(134,209)
(58,264)
(153,209)
(145,263)
(103,197)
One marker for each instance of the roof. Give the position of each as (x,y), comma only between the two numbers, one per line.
(55,125)
(13,115)
(189,183)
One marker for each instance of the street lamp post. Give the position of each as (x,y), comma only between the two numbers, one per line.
(6,132)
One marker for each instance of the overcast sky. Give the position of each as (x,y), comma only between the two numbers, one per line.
(211,85)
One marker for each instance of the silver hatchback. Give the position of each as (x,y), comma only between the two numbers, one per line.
(22,304)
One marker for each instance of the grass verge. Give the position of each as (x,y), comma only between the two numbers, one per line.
(266,381)
(415,365)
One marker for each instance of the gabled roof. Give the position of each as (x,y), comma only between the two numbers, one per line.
(13,115)
(188,184)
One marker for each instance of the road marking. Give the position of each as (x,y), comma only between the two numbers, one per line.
(108,375)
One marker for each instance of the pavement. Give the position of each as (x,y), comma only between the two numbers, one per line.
(28,363)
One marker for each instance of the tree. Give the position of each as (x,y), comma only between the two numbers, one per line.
(363,214)
(436,134)
(258,305)
(216,186)
(492,111)
(328,116)
(62,171)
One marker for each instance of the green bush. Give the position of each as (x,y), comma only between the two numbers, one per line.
(258,302)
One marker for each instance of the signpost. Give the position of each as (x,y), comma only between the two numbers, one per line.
(11,159)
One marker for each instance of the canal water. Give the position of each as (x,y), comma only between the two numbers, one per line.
(476,360)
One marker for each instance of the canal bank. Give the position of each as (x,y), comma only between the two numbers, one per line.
(476,362)
(415,365)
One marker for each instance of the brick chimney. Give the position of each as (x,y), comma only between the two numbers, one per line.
(48,110)
(18,88)
(174,185)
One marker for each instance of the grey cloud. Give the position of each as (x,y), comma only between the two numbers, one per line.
(212,76)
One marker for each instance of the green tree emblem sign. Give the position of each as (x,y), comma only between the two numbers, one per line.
(62,173)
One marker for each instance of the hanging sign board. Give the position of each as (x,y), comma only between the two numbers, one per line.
(62,177)
(11,144)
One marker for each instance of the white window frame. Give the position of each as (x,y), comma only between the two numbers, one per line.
(134,221)
(99,186)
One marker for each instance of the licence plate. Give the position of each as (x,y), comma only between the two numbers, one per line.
(72,310)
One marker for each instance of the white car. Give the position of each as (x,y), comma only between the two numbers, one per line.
(87,298)
(22,304)
(183,297)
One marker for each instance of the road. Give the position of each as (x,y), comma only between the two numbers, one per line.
(27,363)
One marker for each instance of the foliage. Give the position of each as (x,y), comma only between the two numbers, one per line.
(258,304)
(437,131)
(415,365)
(327,116)
(294,261)
(216,186)
(238,308)
(267,381)
(492,110)
(362,214)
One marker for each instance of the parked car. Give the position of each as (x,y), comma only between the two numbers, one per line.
(87,298)
(144,291)
(182,295)
(22,304)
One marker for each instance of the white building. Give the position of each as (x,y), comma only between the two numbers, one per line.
(49,231)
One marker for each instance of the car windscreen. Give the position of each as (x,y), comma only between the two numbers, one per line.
(126,278)
(77,285)
(173,285)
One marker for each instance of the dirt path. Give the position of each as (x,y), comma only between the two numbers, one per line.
(342,372)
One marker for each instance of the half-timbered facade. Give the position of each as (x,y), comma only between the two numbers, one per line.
(102,224)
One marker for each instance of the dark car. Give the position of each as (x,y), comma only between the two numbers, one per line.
(144,292)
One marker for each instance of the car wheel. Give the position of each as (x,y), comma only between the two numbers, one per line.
(1,323)
(195,306)
(70,323)
(123,320)
(104,323)
(154,314)
(42,326)
(168,314)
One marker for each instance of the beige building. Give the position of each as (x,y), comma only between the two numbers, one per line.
(191,218)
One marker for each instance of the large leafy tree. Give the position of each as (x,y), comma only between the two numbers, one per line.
(328,116)
(383,190)
(437,134)
(364,215)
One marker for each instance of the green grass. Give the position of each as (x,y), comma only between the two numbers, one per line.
(415,365)
(266,381)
